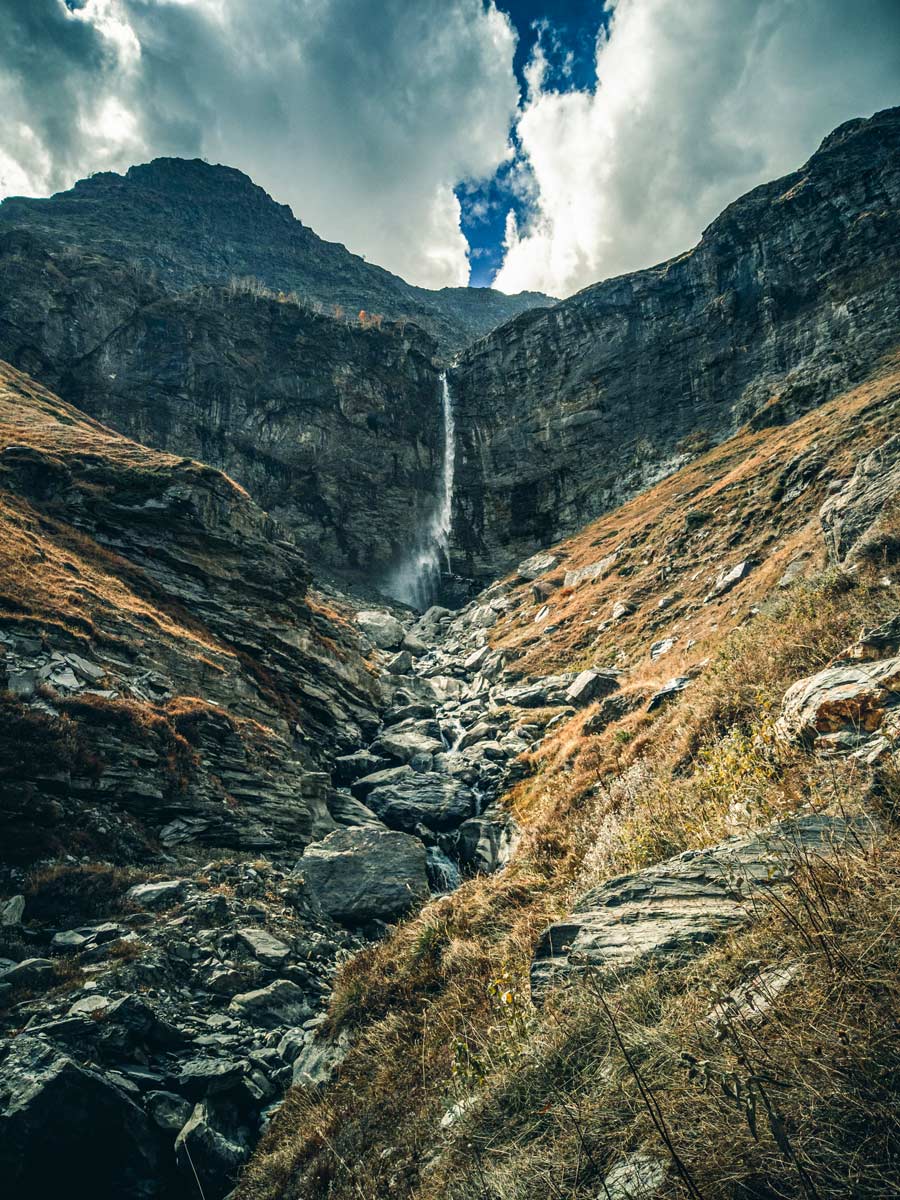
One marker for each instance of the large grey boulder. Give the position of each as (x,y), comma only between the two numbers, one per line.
(848,517)
(281,1003)
(591,685)
(403,745)
(672,912)
(364,874)
(67,1130)
(438,802)
(209,1147)
(382,629)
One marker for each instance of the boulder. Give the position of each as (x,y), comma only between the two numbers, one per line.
(346,810)
(622,609)
(67,1130)
(281,1003)
(593,571)
(264,946)
(673,911)
(663,646)
(157,895)
(360,875)
(405,744)
(638,1177)
(430,799)
(349,767)
(361,787)
(12,911)
(537,564)
(209,1151)
(849,516)
(208,1076)
(319,1059)
(668,691)
(28,973)
(849,706)
(729,578)
(382,629)
(590,685)
(168,1110)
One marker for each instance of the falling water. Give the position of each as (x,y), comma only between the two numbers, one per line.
(417,579)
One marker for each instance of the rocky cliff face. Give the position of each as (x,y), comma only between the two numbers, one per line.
(789,295)
(188,223)
(335,429)
(166,676)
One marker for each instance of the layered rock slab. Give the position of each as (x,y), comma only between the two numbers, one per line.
(673,911)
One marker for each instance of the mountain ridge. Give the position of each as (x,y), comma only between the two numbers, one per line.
(193,223)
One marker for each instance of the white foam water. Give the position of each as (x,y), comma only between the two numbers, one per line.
(416,581)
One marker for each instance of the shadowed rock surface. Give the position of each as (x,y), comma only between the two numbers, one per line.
(789,296)
(187,222)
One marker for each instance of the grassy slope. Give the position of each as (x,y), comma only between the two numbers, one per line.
(441,1008)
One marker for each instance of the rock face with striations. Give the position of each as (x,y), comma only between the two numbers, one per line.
(790,294)
(165,673)
(334,429)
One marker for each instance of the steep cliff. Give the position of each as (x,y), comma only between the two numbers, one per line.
(188,223)
(563,414)
(165,675)
(334,428)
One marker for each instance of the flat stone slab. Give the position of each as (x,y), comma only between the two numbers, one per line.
(675,910)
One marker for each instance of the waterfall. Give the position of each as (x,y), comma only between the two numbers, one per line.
(417,579)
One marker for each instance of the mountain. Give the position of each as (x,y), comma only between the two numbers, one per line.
(184,222)
(334,428)
(587,886)
(788,297)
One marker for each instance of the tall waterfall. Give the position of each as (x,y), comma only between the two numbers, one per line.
(417,579)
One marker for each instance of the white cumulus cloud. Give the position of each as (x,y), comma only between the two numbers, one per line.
(695,103)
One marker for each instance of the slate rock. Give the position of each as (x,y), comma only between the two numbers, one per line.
(12,911)
(844,707)
(591,685)
(264,946)
(168,1110)
(849,517)
(673,911)
(360,875)
(211,1148)
(30,972)
(281,1003)
(436,801)
(67,1130)
(157,895)
(382,629)
(668,692)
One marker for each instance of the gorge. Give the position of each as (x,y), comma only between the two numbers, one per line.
(435,723)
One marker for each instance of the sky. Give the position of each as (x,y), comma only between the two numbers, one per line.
(521,144)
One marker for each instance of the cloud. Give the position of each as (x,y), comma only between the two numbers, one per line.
(363,117)
(696,103)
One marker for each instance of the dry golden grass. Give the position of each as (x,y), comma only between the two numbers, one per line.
(440,1009)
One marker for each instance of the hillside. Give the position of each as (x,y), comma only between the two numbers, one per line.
(717,593)
(185,222)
